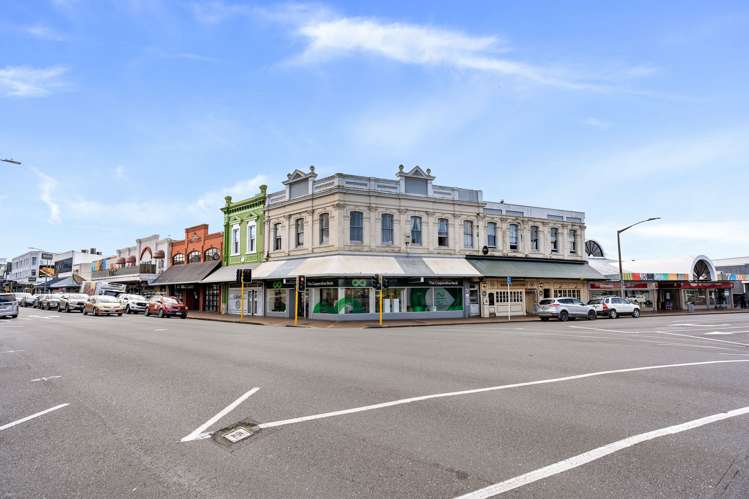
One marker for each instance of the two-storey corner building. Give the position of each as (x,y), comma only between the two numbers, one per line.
(444,252)
(72,268)
(134,267)
(244,244)
(192,259)
(31,269)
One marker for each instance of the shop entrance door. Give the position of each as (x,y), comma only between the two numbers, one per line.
(473,300)
(255,301)
(192,299)
(531,301)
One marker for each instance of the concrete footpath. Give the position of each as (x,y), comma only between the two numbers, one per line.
(278,322)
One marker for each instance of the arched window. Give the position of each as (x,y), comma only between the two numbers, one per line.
(178,259)
(146,256)
(701,271)
(193,257)
(211,254)
(592,248)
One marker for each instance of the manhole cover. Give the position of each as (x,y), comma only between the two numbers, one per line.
(237,435)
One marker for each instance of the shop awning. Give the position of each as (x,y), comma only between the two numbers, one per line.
(365,265)
(228,274)
(530,269)
(186,273)
(67,282)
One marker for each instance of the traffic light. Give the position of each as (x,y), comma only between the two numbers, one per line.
(377,282)
(300,282)
(244,275)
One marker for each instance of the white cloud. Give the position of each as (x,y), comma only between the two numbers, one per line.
(26,81)
(596,123)
(44,32)
(47,186)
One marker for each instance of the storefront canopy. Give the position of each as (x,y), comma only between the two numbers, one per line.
(67,282)
(186,273)
(364,265)
(530,269)
(228,274)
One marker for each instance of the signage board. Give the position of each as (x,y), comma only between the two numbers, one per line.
(354,282)
(393,282)
(46,271)
(47,256)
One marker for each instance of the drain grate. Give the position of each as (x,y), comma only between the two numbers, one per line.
(239,434)
(236,433)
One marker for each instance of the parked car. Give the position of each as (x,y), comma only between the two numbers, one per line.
(166,306)
(72,301)
(102,305)
(564,309)
(50,301)
(133,303)
(613,306)
(21,298)
(8,305)
(30,300)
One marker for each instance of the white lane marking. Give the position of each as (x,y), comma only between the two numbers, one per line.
(689,345)
(605,330)
(199,434)
(701,325)
(27,418)
(723,353)
(13,351)
(597,453)
(410,400)
(159,330)
(707,339)
(718,333)
(45,378)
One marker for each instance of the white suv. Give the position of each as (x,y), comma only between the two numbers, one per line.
(613,306)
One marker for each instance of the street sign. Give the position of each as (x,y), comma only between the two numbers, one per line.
(509,280)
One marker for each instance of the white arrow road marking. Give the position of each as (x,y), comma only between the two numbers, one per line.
(199,434)
(27,418)
(482,390)
(45,378)
(597,453)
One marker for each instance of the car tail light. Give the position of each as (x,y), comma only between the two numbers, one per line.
(555,305)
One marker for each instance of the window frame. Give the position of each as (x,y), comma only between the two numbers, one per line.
(356,214)
(277,241)
(572,235)
(178,261)
(554,239)
(443,235)
(236,234)
(299,232)
(491,236)
(467,224)
(386,231)
(513,232)
(216,252)
(535,243)
(193,252)
(324,228)
(417,220)
(251,237)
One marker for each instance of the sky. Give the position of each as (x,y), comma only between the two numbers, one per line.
(135,117)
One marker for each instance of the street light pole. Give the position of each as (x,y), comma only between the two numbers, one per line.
(11,161)
(619,248)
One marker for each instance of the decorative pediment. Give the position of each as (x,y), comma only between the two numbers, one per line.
(415,172)
(298,175)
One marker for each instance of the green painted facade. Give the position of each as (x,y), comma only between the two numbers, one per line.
(243,213)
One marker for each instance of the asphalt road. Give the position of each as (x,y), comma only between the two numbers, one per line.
(136,387)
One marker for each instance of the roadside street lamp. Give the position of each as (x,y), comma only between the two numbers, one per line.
(11,161)
(619,248)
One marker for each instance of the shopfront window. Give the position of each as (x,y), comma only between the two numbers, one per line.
(327,302)
(419,299)
(447,299)
(356,301)
(392,301)
(696,297)
(212,295)
(277,300)
(567,293)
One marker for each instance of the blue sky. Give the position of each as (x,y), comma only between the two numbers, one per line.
(137,117)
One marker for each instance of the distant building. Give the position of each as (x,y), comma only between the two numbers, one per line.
(135,266)
(736,269)
(31,268)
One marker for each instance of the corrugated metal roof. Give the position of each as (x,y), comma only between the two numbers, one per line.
(543,270)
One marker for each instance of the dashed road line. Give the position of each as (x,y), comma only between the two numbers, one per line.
(28,418)
(45,378)
(410,400)
(13,351)
(597,453)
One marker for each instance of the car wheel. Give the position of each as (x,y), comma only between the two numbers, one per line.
(119,315)
(563,316)
(85,312)
(161,313)
(544,319)
(613,314)
(184,316)
(636,313)
(591,315)
(13,316)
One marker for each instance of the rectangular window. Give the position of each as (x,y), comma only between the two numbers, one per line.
(468,234)
(392,301)
(567,293)
(448,299)
(324,228)
(535,244)
(276,237)
(356,301)
(235,240)
(327,302)
(276,300)
(419,299)
(554,239)
(573,241)
(491,235)
(251,237)
(387,228)
(416,231)
(443,239)
(356,227)
(513,237)
(299,232)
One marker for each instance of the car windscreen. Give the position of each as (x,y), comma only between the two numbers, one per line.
(136,297)
(106,299)
(546,302)
(170,301)
(7,298)
(594,302)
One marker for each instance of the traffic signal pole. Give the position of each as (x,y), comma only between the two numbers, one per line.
(241,299)
(380,277)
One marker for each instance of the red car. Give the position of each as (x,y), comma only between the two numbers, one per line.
(166,306)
